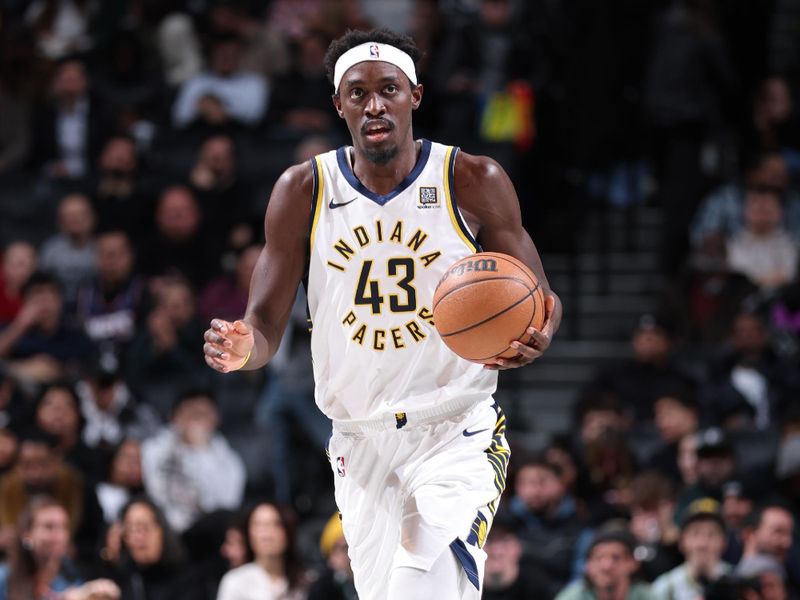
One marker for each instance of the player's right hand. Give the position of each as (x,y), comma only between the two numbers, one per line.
(228,345)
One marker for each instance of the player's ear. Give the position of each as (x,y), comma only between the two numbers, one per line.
(337,104)
(416,96)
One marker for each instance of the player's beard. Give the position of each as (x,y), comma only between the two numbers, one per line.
(380,156)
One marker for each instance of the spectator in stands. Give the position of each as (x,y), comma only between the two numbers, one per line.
(677,415)
(39,470)
(19,263)
(609,572)
(610,466)
(70,131)
(300,101)
(559,452)
(738,501)
(111,305)
(123,481)
(747,383)
(110,411)
(598,411)
(178,48)
(265,48)
(702,541)
(548,521)
(652,510)
(58,413)
(769,532)
(721,214)
(708,296)
(177,244)
(61,28)
(152,561)
(763,251)
(189,469)
(222,196)
(716,464)
(335,582)
(226,296)
(774,124)
(120,195)
(224,94)
(274,569)
(166,350)
(39,344)
(637,381)
(506,575)
(234,548)
(765,576)
(39,560)
(70,254)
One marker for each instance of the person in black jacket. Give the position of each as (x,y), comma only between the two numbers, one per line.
(153,564)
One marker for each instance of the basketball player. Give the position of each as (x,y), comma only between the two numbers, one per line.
(418,451)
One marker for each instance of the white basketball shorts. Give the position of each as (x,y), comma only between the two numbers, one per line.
(410,491)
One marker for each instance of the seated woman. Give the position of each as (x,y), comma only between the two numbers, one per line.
(273,571)
(39,566)
(152,562)
(123,480)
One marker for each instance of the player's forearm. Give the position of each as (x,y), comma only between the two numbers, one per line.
(555,317)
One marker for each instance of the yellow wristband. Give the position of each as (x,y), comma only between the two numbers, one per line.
(244,362)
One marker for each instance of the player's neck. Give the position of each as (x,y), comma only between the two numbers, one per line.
(383,178)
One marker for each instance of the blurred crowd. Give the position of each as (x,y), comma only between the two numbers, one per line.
(139,141)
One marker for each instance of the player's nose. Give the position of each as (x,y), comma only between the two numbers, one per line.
(374,106)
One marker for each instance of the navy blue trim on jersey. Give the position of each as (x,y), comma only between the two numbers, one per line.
(467,561)
(314,209)
(347,171)
(451,177)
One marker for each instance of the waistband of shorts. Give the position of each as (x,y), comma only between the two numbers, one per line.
(412,418)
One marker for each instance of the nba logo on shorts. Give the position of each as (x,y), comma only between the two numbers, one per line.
(340,466)
(373,51)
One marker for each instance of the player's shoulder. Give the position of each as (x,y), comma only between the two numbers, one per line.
(298,178)
(476,169)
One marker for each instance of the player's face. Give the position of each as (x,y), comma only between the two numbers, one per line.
(376,99)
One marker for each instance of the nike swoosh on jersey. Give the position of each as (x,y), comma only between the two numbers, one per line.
(340,204)
(468,433)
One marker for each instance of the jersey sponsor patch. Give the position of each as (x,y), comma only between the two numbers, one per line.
(428,197)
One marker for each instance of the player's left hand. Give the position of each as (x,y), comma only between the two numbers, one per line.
(536,346)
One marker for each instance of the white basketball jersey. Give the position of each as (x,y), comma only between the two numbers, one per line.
(375,261)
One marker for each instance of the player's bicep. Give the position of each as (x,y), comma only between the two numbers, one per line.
(280,266)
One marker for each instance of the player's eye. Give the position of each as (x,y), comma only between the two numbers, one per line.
(356,93)
(391,88)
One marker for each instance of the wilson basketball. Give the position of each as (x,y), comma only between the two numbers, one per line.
(484,302)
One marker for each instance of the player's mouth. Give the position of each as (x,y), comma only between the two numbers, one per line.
(377,130)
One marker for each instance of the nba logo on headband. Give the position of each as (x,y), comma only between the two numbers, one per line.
(374,51)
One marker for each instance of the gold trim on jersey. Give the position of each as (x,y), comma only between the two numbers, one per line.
(316,207)
(452,209)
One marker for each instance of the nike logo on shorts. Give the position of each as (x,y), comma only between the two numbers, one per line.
(340,204)
(468,433)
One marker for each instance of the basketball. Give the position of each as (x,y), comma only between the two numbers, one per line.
(484,302)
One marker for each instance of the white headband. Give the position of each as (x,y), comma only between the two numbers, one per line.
(373,51)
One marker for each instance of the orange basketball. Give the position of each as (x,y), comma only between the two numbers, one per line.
(484,302)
